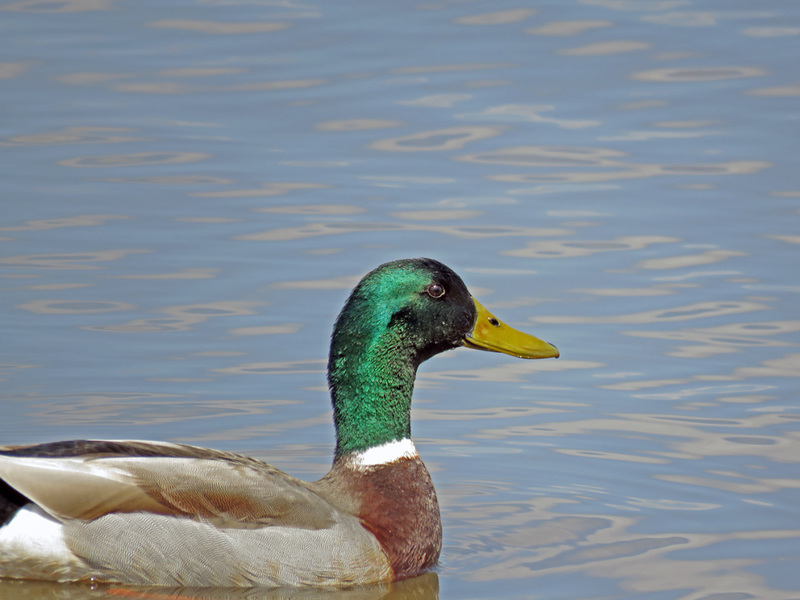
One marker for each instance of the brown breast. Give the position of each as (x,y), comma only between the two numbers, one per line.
(398,504)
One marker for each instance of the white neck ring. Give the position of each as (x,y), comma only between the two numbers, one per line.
(385,453)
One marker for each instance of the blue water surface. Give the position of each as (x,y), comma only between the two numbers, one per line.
(190,190)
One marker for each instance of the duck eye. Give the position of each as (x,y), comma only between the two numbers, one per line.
(435,290)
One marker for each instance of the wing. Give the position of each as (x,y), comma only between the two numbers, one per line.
(87,479)
(113,507)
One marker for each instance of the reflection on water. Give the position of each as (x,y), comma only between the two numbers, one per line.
(182,317)
(190,190)
(74,135)
(132,160)
(699,74)
(424,587)
(537,156)
(146,409)
(437,141)
(67,260)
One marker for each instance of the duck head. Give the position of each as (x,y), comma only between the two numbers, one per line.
(398,316)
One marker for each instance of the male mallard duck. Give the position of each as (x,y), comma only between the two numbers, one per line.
(170,514)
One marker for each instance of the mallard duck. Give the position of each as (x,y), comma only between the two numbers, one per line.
(159,513)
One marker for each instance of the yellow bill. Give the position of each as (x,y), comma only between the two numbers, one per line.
(491,334)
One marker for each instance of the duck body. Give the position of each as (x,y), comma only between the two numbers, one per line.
(158,513)
(155,513)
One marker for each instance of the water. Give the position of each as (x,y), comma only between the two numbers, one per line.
(190,189)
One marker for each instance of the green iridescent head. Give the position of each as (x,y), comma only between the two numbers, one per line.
(399,315)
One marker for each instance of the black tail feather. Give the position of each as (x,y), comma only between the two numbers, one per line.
(10,502)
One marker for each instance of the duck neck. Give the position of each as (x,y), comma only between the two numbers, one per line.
(371,385)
